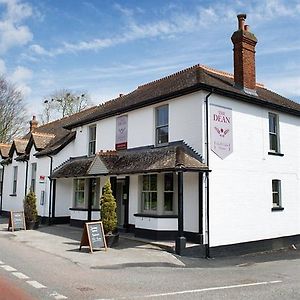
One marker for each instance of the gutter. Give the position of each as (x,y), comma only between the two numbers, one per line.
(207,246)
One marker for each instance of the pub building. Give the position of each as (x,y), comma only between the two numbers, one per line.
(200,155)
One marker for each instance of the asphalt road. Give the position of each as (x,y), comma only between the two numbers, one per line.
(44,275)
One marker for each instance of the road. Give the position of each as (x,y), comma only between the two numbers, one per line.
(45,275)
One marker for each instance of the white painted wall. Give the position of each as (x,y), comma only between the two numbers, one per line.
(240,185)
(64,197)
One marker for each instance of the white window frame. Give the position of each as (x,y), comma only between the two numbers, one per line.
(149,192)
(277,192)
(168,192)
(159,126)
(274,133)
(92,140)
(76,203)
(15,180)
(33,177)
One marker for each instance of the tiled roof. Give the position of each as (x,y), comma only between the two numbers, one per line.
(186,81)
(41,140)
(4,150)
(19,145)
(173,157)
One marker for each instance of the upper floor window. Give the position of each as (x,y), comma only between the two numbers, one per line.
(15,181)
(276,193)
(162,125)
(92,140)
(33,177)
(274,132)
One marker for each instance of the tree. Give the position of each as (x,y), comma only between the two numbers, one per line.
(13,118)
(30,210)
(63,103)
(108,209)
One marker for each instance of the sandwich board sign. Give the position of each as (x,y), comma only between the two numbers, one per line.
(16,220)
(93,236)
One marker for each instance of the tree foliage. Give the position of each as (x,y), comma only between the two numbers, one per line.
(13,116)
(30,209)
(63,103)
(108,209)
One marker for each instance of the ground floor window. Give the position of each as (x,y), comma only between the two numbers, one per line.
(79,193)
(157,194)
(276,193)
(149,193)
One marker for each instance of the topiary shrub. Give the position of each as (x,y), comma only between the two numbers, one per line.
(108,209)
(30,210)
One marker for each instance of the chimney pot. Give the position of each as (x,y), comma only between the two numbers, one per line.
(247,28)
(241,18)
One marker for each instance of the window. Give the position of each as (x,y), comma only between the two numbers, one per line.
(276,193)
(168,192)
(92,140)
(162,125)
(149,193)
(33,177)
(274,132)
(1,181)
(15,179)
(79,185)
(93,183)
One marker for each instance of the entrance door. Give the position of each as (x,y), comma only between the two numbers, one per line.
(122,191)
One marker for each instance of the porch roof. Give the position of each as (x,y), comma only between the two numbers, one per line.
(176,156)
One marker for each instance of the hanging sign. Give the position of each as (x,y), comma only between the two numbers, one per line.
(16,220)
(121,132)
(42,179)
(221,140)
(93,236)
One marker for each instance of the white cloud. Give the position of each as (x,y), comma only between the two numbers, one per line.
(20,77)
(12,31)
(2,67)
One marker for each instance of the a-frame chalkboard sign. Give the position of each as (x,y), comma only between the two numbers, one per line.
(16,220)
(93,236)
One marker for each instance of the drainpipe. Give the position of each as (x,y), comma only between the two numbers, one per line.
(207,248)
(2,184)
(50,191)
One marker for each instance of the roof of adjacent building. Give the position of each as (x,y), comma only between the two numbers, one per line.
(189,80)
(4,150)
(19,145)
(169,158)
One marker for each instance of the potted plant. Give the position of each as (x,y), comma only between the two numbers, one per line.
(108,215)
(30,211)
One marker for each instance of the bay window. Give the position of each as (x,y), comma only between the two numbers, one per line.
(149,193)
(79,193)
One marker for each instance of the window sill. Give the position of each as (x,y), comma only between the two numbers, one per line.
(83,209)
(275,153)
(13,195)
(156,216)
(279,208)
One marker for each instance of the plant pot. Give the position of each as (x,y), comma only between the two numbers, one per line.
(32,225)
(112,239)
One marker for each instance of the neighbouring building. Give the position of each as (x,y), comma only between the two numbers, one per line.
(201,154)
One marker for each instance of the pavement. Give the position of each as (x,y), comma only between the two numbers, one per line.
(64,241)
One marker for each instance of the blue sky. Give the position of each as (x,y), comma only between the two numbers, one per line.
(107,47)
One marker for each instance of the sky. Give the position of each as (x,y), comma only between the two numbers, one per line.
(107,47)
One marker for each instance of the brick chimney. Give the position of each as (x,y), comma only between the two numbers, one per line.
(244,43)
(33,124)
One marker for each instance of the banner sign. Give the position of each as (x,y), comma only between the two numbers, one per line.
(221,140)
(121,132)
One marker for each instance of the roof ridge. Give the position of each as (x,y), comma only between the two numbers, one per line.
(169,76)
(226,74)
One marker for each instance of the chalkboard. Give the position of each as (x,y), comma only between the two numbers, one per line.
(93,236)
(16,220)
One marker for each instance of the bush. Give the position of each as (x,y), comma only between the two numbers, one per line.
(108,209)
(30,209)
